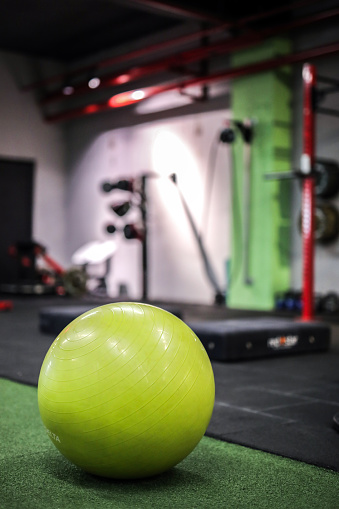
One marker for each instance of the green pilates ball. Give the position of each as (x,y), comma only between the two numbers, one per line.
(126,391)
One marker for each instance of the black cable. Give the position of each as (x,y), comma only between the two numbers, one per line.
(225,136)
(236,206)
(207,264)
(209,180)
(228,138)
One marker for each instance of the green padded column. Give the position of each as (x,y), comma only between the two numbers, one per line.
(264,98)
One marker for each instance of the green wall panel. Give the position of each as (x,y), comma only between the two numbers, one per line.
(265,98)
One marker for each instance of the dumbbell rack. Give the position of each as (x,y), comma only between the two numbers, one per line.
(131,231)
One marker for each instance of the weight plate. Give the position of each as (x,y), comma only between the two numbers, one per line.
(326,178)
(330,303)
(326,223)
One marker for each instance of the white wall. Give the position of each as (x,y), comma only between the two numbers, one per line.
(25,135)
(182,146)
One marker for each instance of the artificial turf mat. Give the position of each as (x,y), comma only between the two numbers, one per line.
(33,474)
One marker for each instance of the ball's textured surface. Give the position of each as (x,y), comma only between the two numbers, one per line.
(126,391)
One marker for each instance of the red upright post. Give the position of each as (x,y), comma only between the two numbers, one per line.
(307,165)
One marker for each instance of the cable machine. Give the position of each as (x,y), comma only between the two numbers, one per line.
(262,337)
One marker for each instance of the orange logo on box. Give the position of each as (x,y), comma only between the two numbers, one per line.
(281,342)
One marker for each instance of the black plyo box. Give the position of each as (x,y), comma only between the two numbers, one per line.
(247,338)
(53,319)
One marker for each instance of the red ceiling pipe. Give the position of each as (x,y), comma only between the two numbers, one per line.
(184,58)
(132,55)
(153,48)
(226,75)
(177,10)
(117,101)
(173,62)
(307,166)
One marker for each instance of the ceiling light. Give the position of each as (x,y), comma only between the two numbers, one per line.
(126,98)
(92,108)
(137,95)
(94,82)
(68,90)
(122,78)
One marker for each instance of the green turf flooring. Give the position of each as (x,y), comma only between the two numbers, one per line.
(34,475)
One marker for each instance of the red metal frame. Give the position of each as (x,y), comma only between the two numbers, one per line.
(307,165)
(181,60)
(176,10)
(229,74)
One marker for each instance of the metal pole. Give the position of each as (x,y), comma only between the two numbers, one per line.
(143,207)
(307,165)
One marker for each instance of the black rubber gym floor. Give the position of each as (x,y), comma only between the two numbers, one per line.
(283,405)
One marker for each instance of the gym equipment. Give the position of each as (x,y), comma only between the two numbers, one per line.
(326,178)
(111,228)
(326,223)
(33,279)
(324,304)
(131,230)
(230,340)
(219,293)
(126,391)
(74,282)
(246,129)
(121,209)
(252,338)
(139,230)
(329,304)
(289,301)
(228,135)
(53,319)
(6,305)
(307,175)
(92,254)
(123,185)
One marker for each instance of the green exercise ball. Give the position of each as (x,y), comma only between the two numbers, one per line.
(126,391)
